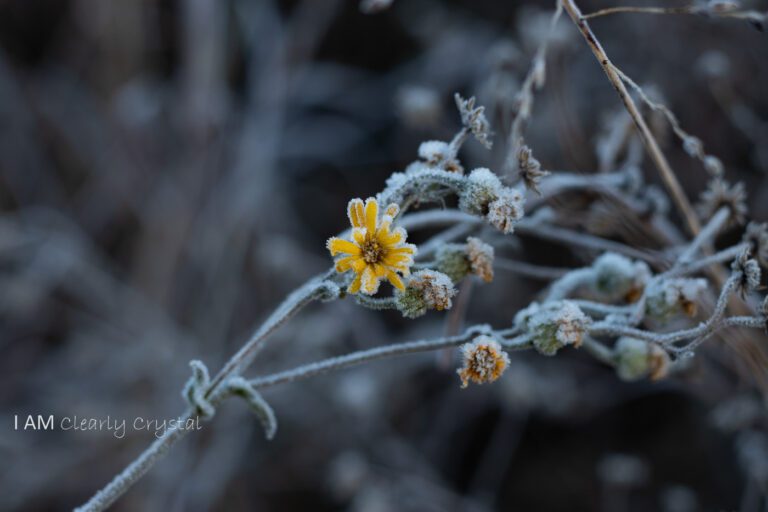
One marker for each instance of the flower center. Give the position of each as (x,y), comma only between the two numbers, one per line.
(372,251)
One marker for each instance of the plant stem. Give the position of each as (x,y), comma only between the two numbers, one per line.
(364,356)
(651,145)
(312,290)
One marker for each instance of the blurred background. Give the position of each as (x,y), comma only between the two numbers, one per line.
(171,169)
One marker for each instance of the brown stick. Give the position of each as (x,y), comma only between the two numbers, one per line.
(667,174)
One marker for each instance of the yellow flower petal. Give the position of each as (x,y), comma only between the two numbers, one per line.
(397,259)
(395,280)
(395,237)
(392,210)
(354,286)
(406,249)
(369,281)
(344,264)
(358,234)
(355,213)
(371,214)
(337,245)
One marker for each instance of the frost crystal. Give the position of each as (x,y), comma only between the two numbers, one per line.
(484,361)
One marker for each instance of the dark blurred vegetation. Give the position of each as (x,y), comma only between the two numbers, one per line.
(170,169)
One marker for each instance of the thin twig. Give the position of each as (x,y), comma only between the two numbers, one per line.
(651,145)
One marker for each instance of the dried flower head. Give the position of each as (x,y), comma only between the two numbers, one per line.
(670,296)
(425,290)
(618,277)
(375,252)
(473,119)
(720,194)
(484,361)
(553,325)
(638,359)
(530,169)
(756,235)
(750,273)
(506,210)
(480,256)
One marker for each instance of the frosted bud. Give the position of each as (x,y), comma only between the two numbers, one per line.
(638,359)
(481,188)
(554,325)
(671,296)
(425,290)
(619,277)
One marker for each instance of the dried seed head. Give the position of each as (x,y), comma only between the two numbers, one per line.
(484,361)
(426,289)
(553,325)
(638,359)
(473,119)
(750,273)
(671,296)
(720,194)
(480,256)
(506,210)
(757,236)
(530,169)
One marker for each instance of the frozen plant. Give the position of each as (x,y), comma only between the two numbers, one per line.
(616,307)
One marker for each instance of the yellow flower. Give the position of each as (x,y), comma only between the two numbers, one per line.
(375,252)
